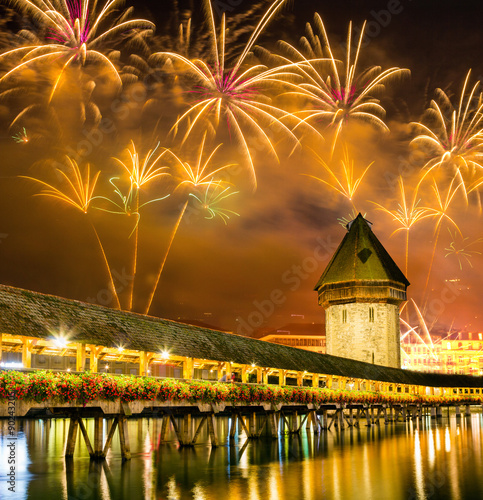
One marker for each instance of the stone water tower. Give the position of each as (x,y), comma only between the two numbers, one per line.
(361,290)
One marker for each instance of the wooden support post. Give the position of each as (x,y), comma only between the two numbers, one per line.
(27,353)
(315,380)
(186,430)
(294,428)
(242,423)
(228,371)
(124,438)
(368,416)
(315,422)
(351,417)
(244,376)
(86,438)
(94,357)
(325,423)
(164,429)
(300,379)
(468,411)
(341,417)
(71,437)
(98,437)
(253,425)
(198,429)
(110,436)
(143,364)
(188,368)
(259,375)
(80,364)
(273,424)
(328,382)
(1,346)
(233,425)
(282,376)
(212,430)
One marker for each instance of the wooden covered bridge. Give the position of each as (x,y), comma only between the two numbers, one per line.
(47,332)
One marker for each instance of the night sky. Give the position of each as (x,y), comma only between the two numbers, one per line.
(260,268)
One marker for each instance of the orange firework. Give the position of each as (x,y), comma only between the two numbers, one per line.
(78,193)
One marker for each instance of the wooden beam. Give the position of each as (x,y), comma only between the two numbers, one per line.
(94,357)
(80,357)
(282,377)
(27,353)
(188,368)
(244,375)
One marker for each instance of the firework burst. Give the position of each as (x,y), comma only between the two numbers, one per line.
(141,172)
(453,137)
(72,32)
(77,192)
(345,180)
(338,92)
(191,180)
(235,93)
(407,214)
(211,199)
(460,250)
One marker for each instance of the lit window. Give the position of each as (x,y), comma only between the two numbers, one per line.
(448,345)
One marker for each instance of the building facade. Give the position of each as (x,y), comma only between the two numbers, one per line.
(308,336)
(456,353)
(361,290)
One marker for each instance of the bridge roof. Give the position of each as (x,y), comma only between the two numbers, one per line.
(361,256)
(33,314)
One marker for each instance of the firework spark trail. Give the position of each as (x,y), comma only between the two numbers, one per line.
(141,173)
(441,214)
(337,95)
(74,34)
(79,194)
(192,179)
(423,326)
(406,215)
(344,181)
(235,93)
(454,136)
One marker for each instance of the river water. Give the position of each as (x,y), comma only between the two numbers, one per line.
(414,460)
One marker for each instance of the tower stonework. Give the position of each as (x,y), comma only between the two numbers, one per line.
(361,290)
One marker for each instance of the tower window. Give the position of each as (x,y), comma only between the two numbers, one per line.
(344,315)
(371,314)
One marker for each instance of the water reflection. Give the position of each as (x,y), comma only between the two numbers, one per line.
(414,460)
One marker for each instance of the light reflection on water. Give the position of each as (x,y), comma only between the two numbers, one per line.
(413,460)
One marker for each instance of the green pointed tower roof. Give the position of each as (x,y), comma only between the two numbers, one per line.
(361,257)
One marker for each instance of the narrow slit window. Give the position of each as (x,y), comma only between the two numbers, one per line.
(344,315)
(371,314)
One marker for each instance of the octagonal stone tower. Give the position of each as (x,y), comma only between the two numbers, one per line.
(361,290)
